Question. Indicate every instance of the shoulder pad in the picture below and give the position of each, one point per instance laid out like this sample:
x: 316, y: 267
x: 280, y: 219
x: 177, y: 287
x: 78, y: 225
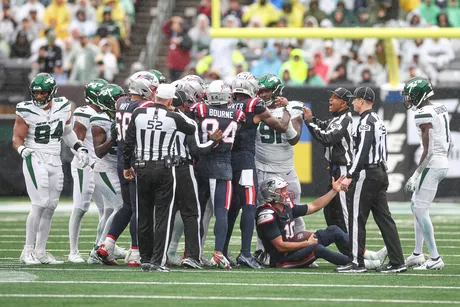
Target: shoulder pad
x: 25, y: 108
x: 255, y: 105
x: 266, y: 215
x: 99, y: 118
x: 199, y: 109
x: 61, y: 104
x: 295, y: 108
x: 423, y: 116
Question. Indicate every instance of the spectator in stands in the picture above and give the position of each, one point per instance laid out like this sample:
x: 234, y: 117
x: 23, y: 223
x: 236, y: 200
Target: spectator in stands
x: 366, y: 78
x: 339, y: 75
x: 354, y: 60
x: 221, y: 49
x: 293, y: 16
x: 320, y: 67
x: 23, y: 10
x: 117, y: 14
x: 379, y: 17
x: 84, y: 64
x: 256, y: 45
x: 429, y: 10
x: 5, y: 48
x: 443, y: 21
x: 363, y: 18
x: 415, y: 20
x: 269, y: 63
x: 130, y: 15
x: 380, y: 53
x: 234, y: 8
x: 378, y: 73
x: 313, y: 79
x: 204, y: 7
x: 286, y: 41
x: 316, y: 12
x: 296, y: 66
x: 453, y: 13
x: 332, y: 58
x: 60, y: 76
x: 311, y: 45
x: 113, y: 27
x: 348, y: 15
x: 338, y: 19
x: 57, y: 16
x: 200, y: 35
x: 103, y: 32
x: 50, y: 33
x: 266, y: 11
x: 108, y: 65
x: 83, y: 24
x: 37, y: 24
x: 26, y: 28
x: 85, y: 5
x: 438, y: 52
x: 7, y: 23
x: 49, y: 55
x: 180, y: 46
x: 287, y: 80
x: 21, y: 46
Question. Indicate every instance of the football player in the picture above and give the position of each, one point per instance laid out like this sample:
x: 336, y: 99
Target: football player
x: 142, y: 87
x: 275, y: 227
x: 274, y: 150
x: 105, y: 147
x: 83, y: 177
x: 432, y: 121
x: 244, y: 179
x: 214, y: 169
x: 38, y: 129
x: 161, y: 78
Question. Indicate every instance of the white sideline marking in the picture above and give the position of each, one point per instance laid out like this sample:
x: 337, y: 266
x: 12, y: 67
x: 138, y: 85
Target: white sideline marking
x: 277, y: 272
x: 16, y: 277
x: 90, y: 282
x: 231, y: 298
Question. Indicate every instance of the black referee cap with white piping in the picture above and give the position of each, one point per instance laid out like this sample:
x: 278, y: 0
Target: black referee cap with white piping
x: 342, y: 93
x: 365, y: 93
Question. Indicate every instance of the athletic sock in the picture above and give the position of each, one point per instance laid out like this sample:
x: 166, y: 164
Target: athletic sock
x: 120, y: 221
x: 424, y: 220
x: 231, y: 218
x: 44, y: 229
x: 247, y: 228
x: 33, y: 224
x: 109, y: 213
x: 418, y: 238
x: 101, y: 225
x: 335, y: 258
x: 220, y: 228
x: 74, y: 228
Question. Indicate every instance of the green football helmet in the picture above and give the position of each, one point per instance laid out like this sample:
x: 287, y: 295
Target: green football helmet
x: 42, y: 82
x: 158, y: 74
x: 269, y: 88
x: 107, y: 98
x: 92, y: 89
x: 415, y: 91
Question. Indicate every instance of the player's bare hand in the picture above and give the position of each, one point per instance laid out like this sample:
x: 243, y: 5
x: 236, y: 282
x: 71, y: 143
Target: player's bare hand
x: 312, y: 240
x: 129, y: 174
x: 216, y: 136
x: 345, y: 183
x: 281, y: 102
x: 307, y: 114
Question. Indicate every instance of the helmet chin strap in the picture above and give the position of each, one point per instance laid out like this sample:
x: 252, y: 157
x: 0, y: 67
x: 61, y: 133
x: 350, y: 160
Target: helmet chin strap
x: 420, y: 101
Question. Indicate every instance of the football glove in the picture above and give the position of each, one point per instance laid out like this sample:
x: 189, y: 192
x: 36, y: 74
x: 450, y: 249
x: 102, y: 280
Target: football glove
x: 83, y: 156
x: 24, y: 151
x: 113, y: 131
x: 411, y: 184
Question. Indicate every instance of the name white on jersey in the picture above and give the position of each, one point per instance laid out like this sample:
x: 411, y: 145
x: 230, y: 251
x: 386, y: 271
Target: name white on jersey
x: 82, y: 115
x: 109, y: 161
x: 45, y: 128
x: 438, y: 116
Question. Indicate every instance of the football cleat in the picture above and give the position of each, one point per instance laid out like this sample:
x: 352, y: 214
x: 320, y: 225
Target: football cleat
x: 93, y: 258
x: 75, y: 257
x: 313, y: 265
x: 382, y: 254
x: 174, y: 260
x: 262, y: 257
x: 119, y: 252
x: 47, y: 258
x: 414, y: 260
x: 350, y: 268
x: 105, y: 256
x: 231, y: 260
x: 220, y: 261
x: 372, y: 264
x: 27, y: 256
x: 389, y: 268
x: 162, y: 269
x: 250, y: 262
x: 206, y: 262
x: 133, y: 258
x: 192, y: 264
x: 146, y: 267
x: 431, y: 264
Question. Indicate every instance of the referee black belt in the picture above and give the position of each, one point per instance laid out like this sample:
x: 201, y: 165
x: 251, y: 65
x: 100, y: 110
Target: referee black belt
x: 173, y: 161
x: 371, y: 166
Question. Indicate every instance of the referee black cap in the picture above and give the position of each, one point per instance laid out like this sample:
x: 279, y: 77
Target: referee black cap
x: 365, y: 93
x: 181, y: 98
x: 342, y: 93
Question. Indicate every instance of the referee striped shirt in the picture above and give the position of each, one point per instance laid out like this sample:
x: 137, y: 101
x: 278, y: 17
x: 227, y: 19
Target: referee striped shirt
x: 152, y: 133
x: 336, y: 135
x: 370, y: 142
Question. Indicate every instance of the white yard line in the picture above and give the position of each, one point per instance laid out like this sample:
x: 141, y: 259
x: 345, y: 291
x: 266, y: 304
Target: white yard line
x: 231, y: 298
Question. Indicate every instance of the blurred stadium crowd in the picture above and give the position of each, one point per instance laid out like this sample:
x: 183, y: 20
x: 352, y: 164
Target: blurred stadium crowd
x: 316, y: 62
x: 74, y: 40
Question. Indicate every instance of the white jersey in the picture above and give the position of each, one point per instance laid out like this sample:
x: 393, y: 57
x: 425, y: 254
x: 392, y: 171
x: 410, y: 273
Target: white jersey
x: 45, y: 128
x: 82, y: 115
x: 438, y: 116
x: 109, y: 161
x: 274, y: 154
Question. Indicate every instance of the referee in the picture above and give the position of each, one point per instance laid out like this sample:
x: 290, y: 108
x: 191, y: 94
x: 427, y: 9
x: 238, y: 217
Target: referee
x: 336, y: 136
x: 369, y: 192
x: 152, y: 133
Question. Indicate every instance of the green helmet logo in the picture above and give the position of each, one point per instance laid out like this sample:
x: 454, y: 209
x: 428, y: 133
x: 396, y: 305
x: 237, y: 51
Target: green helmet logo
x: 40, y: 84
x: 415, y: 91
x: 107, y: 98
x: 269, y: 88
x: 92, y: 89
x: 159, y: 75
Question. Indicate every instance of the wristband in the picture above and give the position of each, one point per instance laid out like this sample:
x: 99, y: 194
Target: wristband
x: 77, y: 145
x: 20, y: 149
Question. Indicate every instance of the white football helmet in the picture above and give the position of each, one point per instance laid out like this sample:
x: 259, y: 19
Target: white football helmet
x: 193, y: 78
x: 245, y: 83
x: 274, y: 190
x: 144, y: 84
x: 194, y: 89
x: 218, y: 93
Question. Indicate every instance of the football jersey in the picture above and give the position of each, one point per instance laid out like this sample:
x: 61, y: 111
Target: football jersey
x: 274, y: 154
x: 272, y: 223
x: 45, y: 128
x: 125, y: 108
x: 245, y: 141
x: 109, y: 161
x: 217, y: 163
x: 438, y: 116
x: 82, y: 116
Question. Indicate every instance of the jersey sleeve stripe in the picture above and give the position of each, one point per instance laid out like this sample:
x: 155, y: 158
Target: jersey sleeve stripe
x: 63, y: 106
x: 250, y: 105
x: 93, y: 119
x: 423, y: 115
x: 297, y: 108
x: 25, y: 110
x: 145, y: 104
x: 82, y: 115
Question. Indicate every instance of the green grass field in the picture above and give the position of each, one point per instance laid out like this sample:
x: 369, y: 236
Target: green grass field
x: 84, y: 285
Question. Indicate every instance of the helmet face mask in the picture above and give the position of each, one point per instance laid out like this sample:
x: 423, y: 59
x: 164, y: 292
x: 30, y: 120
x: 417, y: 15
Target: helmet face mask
x: 218, y: 93
x: 275, y: 190
x: 415, y: 91
x: 42, y: 83
x: 270, y: 88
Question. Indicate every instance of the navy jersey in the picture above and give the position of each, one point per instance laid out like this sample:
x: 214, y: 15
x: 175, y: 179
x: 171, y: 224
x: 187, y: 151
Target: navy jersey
x: 125, y: 108
x: 244, y: 149
x: 272, y: 223
x: 217, y: 163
